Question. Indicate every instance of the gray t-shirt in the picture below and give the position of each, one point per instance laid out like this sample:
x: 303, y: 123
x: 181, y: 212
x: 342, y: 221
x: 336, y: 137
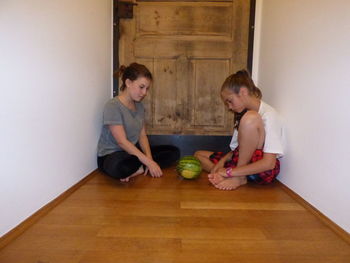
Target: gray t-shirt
x: 115, y: 113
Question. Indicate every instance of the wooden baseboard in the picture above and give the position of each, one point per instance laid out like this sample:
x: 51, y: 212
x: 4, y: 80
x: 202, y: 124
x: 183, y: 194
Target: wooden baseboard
x: 18, y: 230
x: 187, y: 143
x: 337, y: 229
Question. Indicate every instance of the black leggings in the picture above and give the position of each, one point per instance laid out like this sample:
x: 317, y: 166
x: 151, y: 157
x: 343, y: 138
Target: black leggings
x: 121, y: 164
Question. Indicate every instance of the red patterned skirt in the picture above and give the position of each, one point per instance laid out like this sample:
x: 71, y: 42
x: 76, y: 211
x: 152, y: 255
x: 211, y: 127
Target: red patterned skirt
x: 260, y: 178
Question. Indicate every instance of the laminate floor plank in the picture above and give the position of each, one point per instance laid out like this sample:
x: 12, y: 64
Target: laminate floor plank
x: 170, y: 219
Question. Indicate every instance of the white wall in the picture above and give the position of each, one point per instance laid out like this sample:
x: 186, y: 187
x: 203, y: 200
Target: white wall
x: 55, y: 76
x: 304, y: 65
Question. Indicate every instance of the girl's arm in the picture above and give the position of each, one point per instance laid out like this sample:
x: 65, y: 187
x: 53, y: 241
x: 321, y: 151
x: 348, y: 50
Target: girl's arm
x: 144, y: 143
x: 118, y: 133
x: 221, y: 163
x: 153, y: 167
x: 268, y: 162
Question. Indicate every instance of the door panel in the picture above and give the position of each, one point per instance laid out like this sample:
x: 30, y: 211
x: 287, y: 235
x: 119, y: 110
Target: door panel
x: 183, y: 18
x: 208, y: 110
x: 190, y: 47
x: 172, y: 48
x: 165, y: 100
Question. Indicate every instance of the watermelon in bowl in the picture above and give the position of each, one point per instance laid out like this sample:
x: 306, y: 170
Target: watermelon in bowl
x: 189, y: 167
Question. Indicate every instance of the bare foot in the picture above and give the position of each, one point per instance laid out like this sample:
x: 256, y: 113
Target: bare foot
x: 215, y: 178
x: 138, y: 172
x: 231, y: 183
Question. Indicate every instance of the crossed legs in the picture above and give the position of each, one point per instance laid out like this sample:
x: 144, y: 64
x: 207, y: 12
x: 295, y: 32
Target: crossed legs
x: 251, y: 136
x: 123, y: 166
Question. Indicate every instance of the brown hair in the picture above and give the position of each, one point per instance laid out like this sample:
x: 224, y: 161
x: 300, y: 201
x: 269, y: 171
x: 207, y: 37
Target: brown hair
x: 234, y: 83
x: 241, y: 79
x: 132, y: 72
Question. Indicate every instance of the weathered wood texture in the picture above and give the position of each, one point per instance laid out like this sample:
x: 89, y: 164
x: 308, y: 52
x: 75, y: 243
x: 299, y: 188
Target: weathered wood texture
x: 191, y: 47
x: 174, y: 220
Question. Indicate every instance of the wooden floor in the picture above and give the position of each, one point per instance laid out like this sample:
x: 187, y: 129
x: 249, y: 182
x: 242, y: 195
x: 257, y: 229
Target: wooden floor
x: 174, y: 220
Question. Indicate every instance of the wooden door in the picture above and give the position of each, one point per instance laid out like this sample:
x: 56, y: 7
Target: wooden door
x: 190, y: 47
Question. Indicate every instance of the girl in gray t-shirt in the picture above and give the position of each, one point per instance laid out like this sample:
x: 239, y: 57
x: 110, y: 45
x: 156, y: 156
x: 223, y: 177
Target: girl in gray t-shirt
x: 123, y: 147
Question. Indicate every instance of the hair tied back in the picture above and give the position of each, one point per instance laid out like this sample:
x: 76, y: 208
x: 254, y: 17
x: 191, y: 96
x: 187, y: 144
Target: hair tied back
x: 121, y: 71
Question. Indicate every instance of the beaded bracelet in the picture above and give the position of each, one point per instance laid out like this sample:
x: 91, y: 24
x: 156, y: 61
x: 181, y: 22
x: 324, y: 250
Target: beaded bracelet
x: 229, y: 172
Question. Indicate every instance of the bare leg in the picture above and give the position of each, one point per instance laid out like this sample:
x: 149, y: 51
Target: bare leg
x: 251, y: 136
x: 203, y: 157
